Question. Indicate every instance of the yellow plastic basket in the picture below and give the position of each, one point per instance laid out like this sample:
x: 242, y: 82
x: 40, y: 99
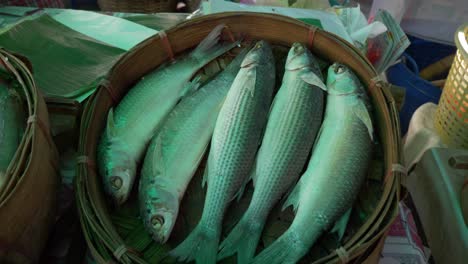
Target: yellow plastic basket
x: 451, y: 119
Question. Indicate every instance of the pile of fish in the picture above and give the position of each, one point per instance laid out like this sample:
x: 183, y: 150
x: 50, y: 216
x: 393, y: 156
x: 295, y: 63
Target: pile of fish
x: 12, y: 125
x: 254, y: 134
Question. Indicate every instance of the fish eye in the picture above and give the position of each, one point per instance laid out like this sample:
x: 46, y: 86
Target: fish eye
x: 259, y: 45
x: 116, y: 182
x: 339, y: 69
x: 157, y: 221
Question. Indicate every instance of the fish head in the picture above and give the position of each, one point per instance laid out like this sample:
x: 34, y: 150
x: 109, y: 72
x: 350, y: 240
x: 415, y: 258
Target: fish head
x: 299, y: 57
x: 161, y: 214
x: 342, y: 81
x: 119, y: 172
x: 259, y: 54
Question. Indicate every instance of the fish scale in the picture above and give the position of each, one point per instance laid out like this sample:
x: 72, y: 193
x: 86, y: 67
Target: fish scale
x: 236, y: 159
x: 326, y: 192
x: 293, y: 123
x: 235, y: 141
x: 348, y: 187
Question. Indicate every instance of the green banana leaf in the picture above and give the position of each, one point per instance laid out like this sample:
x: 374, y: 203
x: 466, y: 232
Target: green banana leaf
x: 158, y: 21
x: 65, y: 62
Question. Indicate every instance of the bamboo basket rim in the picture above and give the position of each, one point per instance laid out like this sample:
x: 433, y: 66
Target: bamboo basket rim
x: 138, y: 6
x: 23, y: 74
x: 90, y: 198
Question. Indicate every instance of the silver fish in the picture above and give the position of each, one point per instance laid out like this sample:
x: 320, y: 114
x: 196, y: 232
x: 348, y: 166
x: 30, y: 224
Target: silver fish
x: 326, y: 192
x: 236, y: 137
x: 12, y: 125
x: 176, y: 151
x: 295, y: 118
x: 134, y: 121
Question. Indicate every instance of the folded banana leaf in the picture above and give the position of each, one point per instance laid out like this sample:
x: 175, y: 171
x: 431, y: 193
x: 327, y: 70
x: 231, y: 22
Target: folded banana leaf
x: 158, y: 21
x: 65, y: 61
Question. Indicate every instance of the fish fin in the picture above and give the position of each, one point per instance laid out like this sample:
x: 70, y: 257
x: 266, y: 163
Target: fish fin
x: 275, y: 103
x: 340, y: 225
x: 199, y: 159
x: 207, y: 171
x: 293, y: 198
x: 235, y: 64
x: 205, y: 177
x: 158, y: 160
x: 252, y: 176
x: 110, y: 127
x: 311, y: 78
x: 362, y: 113
x: 201, y: 245
x: 243, y: 240
x: 251, y: 80
x: 286, y: 195
x: 190, y: 87
x: 288, y: 248
x: 319, y: 133
x: 208, y: 49
x: 238, y: 195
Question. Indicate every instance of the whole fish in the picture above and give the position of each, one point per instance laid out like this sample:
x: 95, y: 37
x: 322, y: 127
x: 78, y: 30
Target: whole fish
x: 326, y: 192
x: 134, y: 121
x: 176, y: 151
x: 236, y: 137
x: 12, y: 125
x: 295, y: 118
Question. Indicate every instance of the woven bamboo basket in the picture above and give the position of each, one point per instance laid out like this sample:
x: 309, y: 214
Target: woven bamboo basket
x: 138, y: 6
x: 27, y: 200
x: 105, y: 231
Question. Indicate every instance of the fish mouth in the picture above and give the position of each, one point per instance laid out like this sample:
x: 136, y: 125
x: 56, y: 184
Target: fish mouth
x: 298, y: 48
x: 116, y: 182
x: 119, y: 200
x: 259, y: 45
x: 161, y: 239
x: 339, y: 68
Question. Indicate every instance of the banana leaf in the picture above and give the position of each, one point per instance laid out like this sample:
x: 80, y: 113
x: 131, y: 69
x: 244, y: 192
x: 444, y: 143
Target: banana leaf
x: 65, y: 61
x: 159, y: 21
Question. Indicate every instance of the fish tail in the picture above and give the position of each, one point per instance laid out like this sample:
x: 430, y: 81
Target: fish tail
x: 201, y: 245
x: 243, y: 240
x: 209, y: 49
x: 289, y: 248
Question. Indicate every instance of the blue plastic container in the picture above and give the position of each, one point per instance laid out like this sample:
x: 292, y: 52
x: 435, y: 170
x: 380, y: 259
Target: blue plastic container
x: 420, y: 54
x: 418, y: 90
x: 426, y: 52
